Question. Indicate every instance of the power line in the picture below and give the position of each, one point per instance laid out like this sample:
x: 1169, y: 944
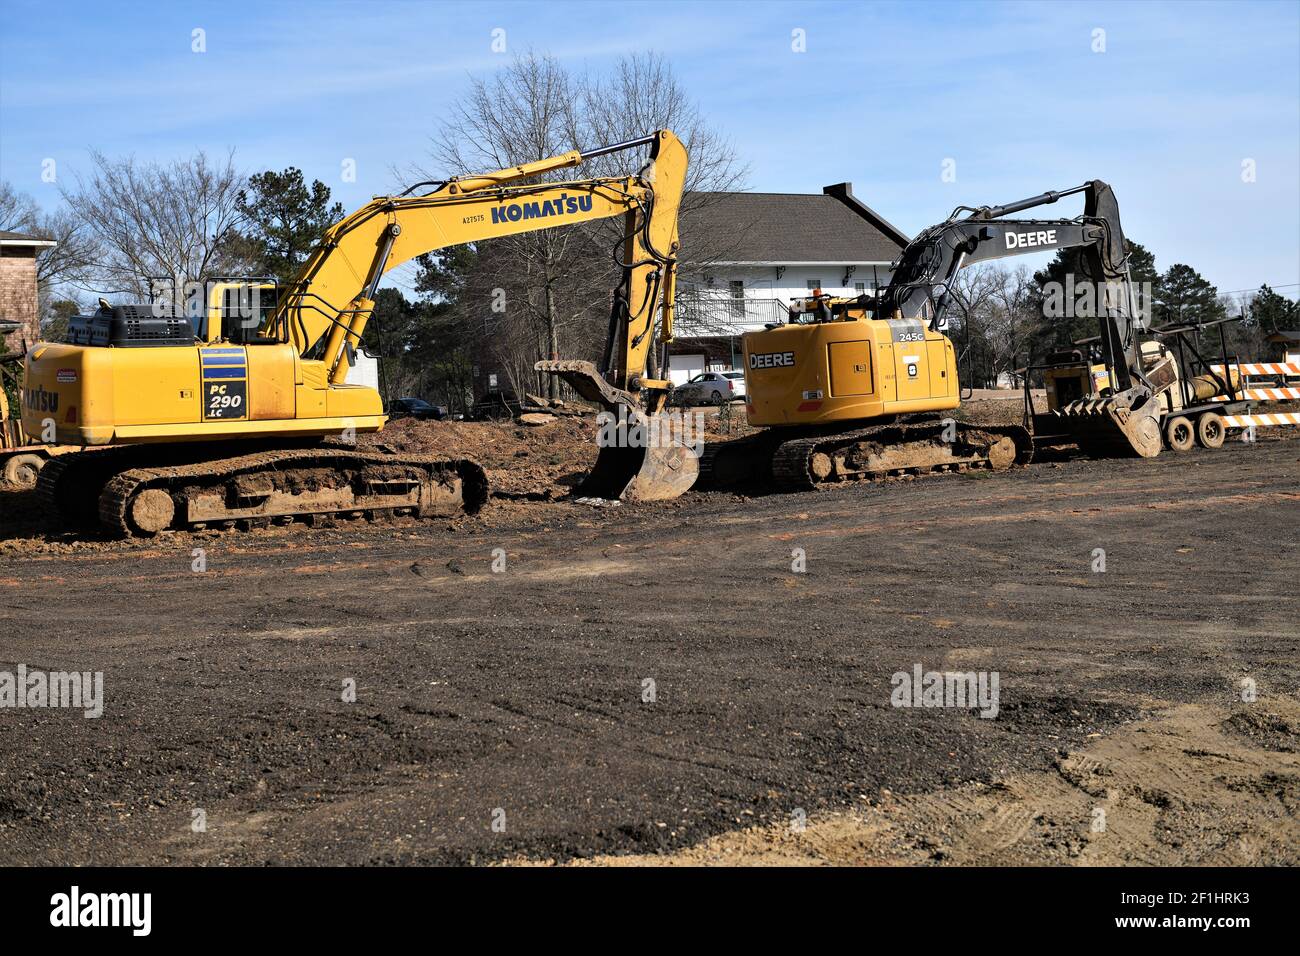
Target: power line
x: 1289, y: 285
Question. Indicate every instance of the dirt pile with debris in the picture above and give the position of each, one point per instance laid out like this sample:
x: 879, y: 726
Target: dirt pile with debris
x: 520, y: 460
x: 538, y: 462
x: 527, y: 465
x: 993, y: 411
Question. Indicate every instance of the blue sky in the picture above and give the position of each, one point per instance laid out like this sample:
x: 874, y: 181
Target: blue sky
x: 882, y: 96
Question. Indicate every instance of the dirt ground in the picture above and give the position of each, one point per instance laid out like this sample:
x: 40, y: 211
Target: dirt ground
x: 552, y: 683
x: 1188, y: 784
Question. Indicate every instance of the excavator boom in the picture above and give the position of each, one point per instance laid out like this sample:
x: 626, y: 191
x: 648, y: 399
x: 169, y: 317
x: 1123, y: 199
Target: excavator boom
x: 921, y: 288
x: 333, y: 296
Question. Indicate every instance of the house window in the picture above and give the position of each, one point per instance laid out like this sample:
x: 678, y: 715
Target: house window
x: 859, y: 287
x: 814, y: 284
x: 737, y: 303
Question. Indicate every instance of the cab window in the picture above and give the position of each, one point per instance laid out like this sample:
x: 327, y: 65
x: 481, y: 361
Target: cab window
x: 247, y: 315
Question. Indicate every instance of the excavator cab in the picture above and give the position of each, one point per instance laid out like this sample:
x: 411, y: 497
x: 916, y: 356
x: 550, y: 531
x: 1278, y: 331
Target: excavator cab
x: 248, y: 310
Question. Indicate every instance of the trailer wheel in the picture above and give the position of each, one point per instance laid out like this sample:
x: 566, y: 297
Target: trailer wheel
x: 1179, y: 433
x: 20, y: 471
x: 1209, y: 430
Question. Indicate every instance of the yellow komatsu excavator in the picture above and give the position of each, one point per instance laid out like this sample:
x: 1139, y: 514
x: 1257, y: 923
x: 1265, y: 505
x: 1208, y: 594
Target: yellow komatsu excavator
x: 856, y: 388
x: 235, y: 419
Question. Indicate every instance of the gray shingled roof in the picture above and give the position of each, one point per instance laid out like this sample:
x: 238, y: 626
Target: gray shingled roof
x: 786, y: 227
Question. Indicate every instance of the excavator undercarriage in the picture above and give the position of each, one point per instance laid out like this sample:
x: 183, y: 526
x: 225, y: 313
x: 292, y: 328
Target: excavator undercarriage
x: 905, y: 449
x: 142, y: 490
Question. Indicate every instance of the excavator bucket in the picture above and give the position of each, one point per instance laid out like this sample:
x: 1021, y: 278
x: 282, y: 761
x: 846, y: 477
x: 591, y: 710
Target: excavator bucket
x: 631, y: 470
x: 1126, y: 423
x: 642, y: 457
x: 1113, y: 427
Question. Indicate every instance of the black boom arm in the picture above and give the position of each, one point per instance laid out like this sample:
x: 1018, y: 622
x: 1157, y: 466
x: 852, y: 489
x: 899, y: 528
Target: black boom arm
x: 921, y: 287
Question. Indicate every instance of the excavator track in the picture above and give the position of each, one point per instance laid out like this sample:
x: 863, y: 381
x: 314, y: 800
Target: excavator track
x: 890, y: 451
x: 135, y: 496
x: 68, y: 486
x: 874, y: 453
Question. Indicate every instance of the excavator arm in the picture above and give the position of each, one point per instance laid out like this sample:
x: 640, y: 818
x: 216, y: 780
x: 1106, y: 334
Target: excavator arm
x: 327, y: 306
x: 332, y: 297
x: 921, y: 288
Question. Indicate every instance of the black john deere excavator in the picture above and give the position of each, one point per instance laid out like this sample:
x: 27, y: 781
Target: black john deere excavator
x: 852, y: 387
x: 235, y: 420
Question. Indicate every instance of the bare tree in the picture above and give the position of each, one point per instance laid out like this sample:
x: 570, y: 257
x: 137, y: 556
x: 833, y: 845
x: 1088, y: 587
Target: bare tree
x: 642, y: 95
x: 73, y: 257
x: 171, y: 220
x: 523, y: 113
x: 1012, y: 319
x: 18, y: 212
x: 995, y: 310
x: 975, y: 291
x: 557, y: 281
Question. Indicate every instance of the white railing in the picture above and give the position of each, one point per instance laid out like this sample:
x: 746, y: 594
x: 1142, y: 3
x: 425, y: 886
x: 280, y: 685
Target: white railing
x: 705, y: 313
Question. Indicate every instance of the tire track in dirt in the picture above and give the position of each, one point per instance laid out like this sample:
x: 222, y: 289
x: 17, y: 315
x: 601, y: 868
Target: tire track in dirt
x: 1174, y: 790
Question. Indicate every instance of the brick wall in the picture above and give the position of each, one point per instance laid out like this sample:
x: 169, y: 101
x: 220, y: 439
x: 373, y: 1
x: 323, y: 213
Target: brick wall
x: 18, y: 301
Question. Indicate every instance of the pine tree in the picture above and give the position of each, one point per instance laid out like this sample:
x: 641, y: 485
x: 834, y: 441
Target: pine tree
x: 1273, y: 312
x: 286, y: 219
x: 1184, y: 297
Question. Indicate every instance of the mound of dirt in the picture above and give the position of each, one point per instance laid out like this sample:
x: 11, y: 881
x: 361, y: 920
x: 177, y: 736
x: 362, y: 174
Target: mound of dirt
x: 523, y: 460
x: 993, y: 411
x: 1181, y: 787
x: 534, y: 461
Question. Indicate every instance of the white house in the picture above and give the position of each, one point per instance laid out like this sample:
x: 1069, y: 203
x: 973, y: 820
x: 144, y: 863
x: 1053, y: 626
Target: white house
x: 746, y: 255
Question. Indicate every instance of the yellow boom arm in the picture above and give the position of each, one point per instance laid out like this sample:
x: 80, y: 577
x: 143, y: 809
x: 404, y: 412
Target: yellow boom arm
x: 333, y: 295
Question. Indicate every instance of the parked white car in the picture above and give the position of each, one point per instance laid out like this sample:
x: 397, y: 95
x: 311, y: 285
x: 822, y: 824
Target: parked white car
x: 711, y: 388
